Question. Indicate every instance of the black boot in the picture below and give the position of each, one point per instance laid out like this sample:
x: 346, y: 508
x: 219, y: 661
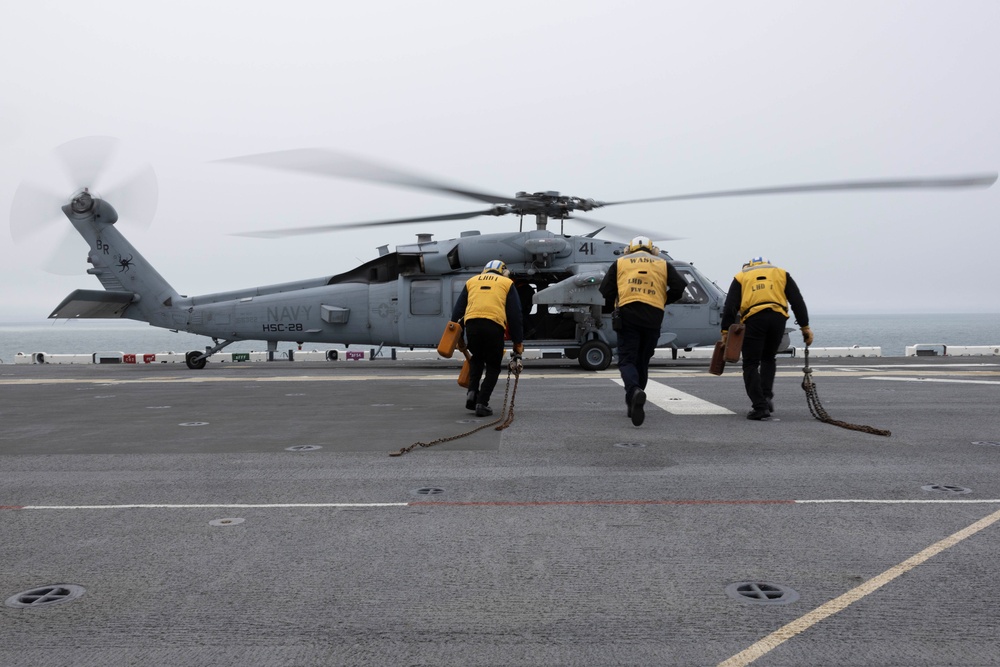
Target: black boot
x: 637, y: 411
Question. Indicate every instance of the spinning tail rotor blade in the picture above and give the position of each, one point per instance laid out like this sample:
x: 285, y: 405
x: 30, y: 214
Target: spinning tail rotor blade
x: 135, y: 197
x: 85, y: 159
x: 34, y: 210
x: 972, y: 181
x: 36, y: 217
x: 328, y: 163
x: 65, y: 255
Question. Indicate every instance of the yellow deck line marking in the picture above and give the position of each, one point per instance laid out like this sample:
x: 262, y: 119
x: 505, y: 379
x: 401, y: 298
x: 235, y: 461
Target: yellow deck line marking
x: 830, y: 608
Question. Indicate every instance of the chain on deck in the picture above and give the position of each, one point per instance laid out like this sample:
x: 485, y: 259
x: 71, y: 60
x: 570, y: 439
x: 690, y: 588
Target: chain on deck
x: 816, y: 408
x: 506, y: 422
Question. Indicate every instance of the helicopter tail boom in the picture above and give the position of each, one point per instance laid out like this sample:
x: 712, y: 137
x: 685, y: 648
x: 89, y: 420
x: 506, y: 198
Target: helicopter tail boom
x: 132, y: 288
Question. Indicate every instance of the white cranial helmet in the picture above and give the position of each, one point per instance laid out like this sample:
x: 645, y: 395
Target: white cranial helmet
x: 640, y: 243
x: 496, y: 266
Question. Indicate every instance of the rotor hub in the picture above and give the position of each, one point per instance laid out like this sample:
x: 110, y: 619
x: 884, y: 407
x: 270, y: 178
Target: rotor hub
x: 82, y: 202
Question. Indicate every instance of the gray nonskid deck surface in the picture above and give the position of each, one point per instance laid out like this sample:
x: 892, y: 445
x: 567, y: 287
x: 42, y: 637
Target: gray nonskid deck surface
x: 570, y: 538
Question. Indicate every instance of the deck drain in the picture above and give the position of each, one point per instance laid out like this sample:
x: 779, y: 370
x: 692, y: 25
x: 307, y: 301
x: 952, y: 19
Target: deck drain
x: 429, y: 491
x: 225, y: 522
x: 948, y: 488
x: 193, y: 424
x: 303, y: 448
x: 991, y: 443
x: 756, y: 592
x: 630, y: 445
x: 46, y: 596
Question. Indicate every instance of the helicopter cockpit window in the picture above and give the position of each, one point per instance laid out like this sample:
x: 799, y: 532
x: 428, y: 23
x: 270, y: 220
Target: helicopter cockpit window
x: 425, y: 297
x: 453, y: 261
x: 694, y: 292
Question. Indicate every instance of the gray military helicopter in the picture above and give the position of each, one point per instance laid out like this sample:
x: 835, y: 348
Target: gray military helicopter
x: 402, y: 298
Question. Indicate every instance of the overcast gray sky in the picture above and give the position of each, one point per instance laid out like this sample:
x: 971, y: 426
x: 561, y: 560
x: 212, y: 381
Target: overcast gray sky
x: 594, y: 99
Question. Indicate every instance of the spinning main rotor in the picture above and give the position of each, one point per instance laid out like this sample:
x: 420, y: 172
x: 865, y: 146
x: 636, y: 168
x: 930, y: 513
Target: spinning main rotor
x: 541, y: 205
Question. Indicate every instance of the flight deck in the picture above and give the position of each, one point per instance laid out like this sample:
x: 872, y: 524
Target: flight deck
x: 253, y: 514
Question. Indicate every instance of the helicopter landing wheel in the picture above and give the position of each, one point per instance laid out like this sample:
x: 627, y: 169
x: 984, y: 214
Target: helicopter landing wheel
x: 190, y: 357
x: 595, y: 355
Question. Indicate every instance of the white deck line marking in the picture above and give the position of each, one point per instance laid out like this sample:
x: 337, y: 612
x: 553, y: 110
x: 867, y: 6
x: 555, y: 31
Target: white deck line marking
x: 167, y: 506
x: 208, y: 506
x: 830, y: 608
x: 940, y: 367
x: 677, y: 402
x: 899, y: 379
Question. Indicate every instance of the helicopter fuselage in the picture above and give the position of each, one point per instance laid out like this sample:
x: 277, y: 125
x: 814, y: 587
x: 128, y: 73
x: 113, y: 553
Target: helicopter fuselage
x: 405, y: 298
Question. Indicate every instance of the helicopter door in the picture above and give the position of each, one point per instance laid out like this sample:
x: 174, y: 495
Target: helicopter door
x: 424, y: 309
x: 383, y: 313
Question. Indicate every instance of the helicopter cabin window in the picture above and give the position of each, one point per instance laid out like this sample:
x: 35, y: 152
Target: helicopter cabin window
x: 425, y: 297
x: 694, y: 292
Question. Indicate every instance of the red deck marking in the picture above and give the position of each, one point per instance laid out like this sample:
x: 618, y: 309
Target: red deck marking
x: 11, y: 507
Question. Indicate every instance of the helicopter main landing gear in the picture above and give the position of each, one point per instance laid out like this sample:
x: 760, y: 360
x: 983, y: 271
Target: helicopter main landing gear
x: 196, y: 360
x: 595, y: 355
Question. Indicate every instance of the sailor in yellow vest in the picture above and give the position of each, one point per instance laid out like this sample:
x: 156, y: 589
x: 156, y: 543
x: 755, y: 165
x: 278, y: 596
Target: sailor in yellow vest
x: 489, y: 306
x: 759, y: 297
x: 640, y: 284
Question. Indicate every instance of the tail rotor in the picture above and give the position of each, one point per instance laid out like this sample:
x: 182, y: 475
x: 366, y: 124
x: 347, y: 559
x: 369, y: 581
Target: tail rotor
x: 37, y: 223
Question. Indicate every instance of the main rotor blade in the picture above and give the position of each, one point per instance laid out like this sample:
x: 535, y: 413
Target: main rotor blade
x: 325, y: 162
x: 980, y: 180
x: 624, y: 230
x: 320, y: 229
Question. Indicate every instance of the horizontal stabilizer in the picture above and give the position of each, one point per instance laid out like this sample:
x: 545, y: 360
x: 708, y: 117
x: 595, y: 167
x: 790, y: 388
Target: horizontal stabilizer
x: 92, y: 304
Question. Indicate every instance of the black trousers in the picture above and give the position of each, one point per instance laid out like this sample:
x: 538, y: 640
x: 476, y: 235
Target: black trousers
x: 760, y: 345
x: 485, y: 341
x: 636, y: 346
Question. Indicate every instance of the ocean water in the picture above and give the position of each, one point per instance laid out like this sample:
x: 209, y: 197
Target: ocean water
x: 890, y: 332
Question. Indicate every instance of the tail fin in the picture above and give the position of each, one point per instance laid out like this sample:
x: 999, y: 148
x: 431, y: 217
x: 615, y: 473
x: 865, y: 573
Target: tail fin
x: 133, y: 288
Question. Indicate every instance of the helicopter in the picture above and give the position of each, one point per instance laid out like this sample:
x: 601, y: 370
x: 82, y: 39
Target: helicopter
x: 404, y: 297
